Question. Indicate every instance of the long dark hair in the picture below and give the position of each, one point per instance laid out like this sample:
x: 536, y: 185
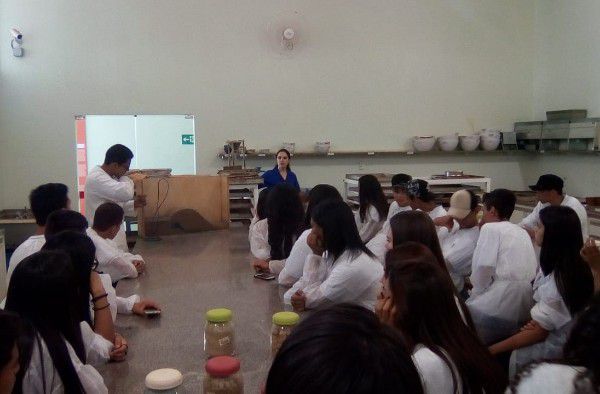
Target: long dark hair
x: 343, y: 349
x: 287, y: 152
x: 10, y: 331
x: 261, y: 204
x: 82, y: 251
x: 417, y: 226
x: 284, y: 217
x: 370, y: 193
x: 317, y: 194
x: 339, y: 229
x: 43, y: 291
x: 560, y: 254
x: 427, y: 314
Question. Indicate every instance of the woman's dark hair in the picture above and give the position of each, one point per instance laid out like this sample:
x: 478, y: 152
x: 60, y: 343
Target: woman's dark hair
x: 339, y: 228
x: 63, y: 220
x: 287, y: 152
x: 560, y: 254
x: 370, y: 193
x: 118, y: 154
x: 261, y: 204
x: 81, y: 251
x: 418, y: 188
x: 343, y: 349
x: 503, y: 200
x: 46, y: 199
x: 10, y: 331
x: 107, y: 215
x: 43, y: 292
x: 417, y: 226
x: 427, y: 314
x: 583, y: 346
x: 317, y: 194
x: 284, y: 217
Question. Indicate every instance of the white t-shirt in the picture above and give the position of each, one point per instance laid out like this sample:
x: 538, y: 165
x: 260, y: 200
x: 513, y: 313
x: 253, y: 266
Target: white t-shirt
x: 112, y: 260
x: 355, y: 279
x: 396, y: 209
x: 372, y: 224
x: 551, y: 378
x: 458, y: 246
x: 41, y: 373
x: 30, y: 246
x: 435, y: 373
x: 533, y: 219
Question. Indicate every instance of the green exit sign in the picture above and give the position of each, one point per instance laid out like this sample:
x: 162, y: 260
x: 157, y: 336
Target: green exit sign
x: 187, y: 139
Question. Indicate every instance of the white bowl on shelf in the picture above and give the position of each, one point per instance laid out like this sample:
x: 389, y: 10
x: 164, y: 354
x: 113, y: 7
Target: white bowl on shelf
x: 448, y: 143
x: 423, y: 144
x: 323, y: 146
x: 491, y: 132
x: 490, y: 142
x: 469, y: 143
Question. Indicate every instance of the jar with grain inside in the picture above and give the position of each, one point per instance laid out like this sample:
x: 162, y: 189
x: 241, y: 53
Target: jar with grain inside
x: 219, y: 338
x: 223, y: 376
x: 283, y: 322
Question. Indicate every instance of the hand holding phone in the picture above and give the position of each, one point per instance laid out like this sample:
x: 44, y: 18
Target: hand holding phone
x: 264, y: 275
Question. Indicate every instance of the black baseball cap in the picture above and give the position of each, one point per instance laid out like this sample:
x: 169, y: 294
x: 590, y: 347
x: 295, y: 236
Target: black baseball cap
x: 548, y: 182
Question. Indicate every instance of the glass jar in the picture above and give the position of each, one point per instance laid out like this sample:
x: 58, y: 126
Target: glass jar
x: 219, y: 338
x: 163, y: 381
x: 283, y: 322
x: 223, y: 376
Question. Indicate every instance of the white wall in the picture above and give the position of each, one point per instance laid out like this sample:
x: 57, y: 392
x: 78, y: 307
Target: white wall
x: 366, y: 75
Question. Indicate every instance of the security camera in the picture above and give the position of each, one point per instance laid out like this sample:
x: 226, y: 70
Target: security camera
x: 16, y: 34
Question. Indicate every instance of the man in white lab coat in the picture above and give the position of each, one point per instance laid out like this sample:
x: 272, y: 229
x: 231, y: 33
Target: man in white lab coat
x: 549, y: 191
x: 458, y: 233
x: 108, y: 183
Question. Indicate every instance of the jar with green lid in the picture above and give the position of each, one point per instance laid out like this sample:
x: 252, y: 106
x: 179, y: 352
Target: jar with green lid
x: 283, y: 322
x: 219, y: 338
x: 163, y: 381
x: 223, y: 376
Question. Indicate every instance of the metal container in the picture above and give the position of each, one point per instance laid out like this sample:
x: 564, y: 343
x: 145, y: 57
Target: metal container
x: 568, y: 115
x: 582, y: 135
x: 555, y: 136
x: 528, y: 135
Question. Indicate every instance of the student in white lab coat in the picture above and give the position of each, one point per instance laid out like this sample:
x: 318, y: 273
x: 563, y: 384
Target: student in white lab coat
x: 424, y: 200
x: 578, y: 371
x: 258, y: 232
x: 53, y: 359
x: 458, y: 233
x: 341, y: 268
x: 419, y: 300
x: 562, y: 289
x: 10, y: 332
x: 549, y: 191
x: 290, y: 269
x: 112, y: 260
x: 401, y: 201
x: 504, y: 265
x: 373, y: 207
x: 108, y: 183
x: 284, y: 224
x: 43, y: 200
x: 343, y: 349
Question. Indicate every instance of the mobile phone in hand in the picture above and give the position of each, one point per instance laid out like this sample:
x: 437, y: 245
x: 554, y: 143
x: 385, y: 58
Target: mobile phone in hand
x: 151, y: 312
x: 264, y: 275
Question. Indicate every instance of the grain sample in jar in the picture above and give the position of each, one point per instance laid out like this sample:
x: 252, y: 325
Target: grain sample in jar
x: 163, y: 381
x: 219, y: 339
x: 223, y: 376
x: 283, y: 322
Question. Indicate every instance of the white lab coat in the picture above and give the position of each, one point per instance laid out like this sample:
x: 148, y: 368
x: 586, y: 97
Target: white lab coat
x: 111, y: 259
x: 41, y: 373
x: 396, y: 209
x: 532, y: 220
x: 258, y: 235
x: 30, y: 246
x: 552, y: 378
x: 371, y: 225
x: 435, y: 373
x: 97, y: 348
x: 552, y: 314
x: 293, y: 266
x: 458, y: 246
x: 350, y: 278
x: 437, y: 212
x: 504, y: 265
x: 100, y: 188
x: 123, y: 305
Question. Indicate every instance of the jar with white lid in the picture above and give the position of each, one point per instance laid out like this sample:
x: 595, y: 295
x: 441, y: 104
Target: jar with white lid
x: 163, y: 381
x: 223, y: 376
x: 219, y: 337
x: 283, y: 323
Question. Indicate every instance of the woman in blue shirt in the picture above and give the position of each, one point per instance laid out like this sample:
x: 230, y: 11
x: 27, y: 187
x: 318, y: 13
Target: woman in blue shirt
x: 282, y: 172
